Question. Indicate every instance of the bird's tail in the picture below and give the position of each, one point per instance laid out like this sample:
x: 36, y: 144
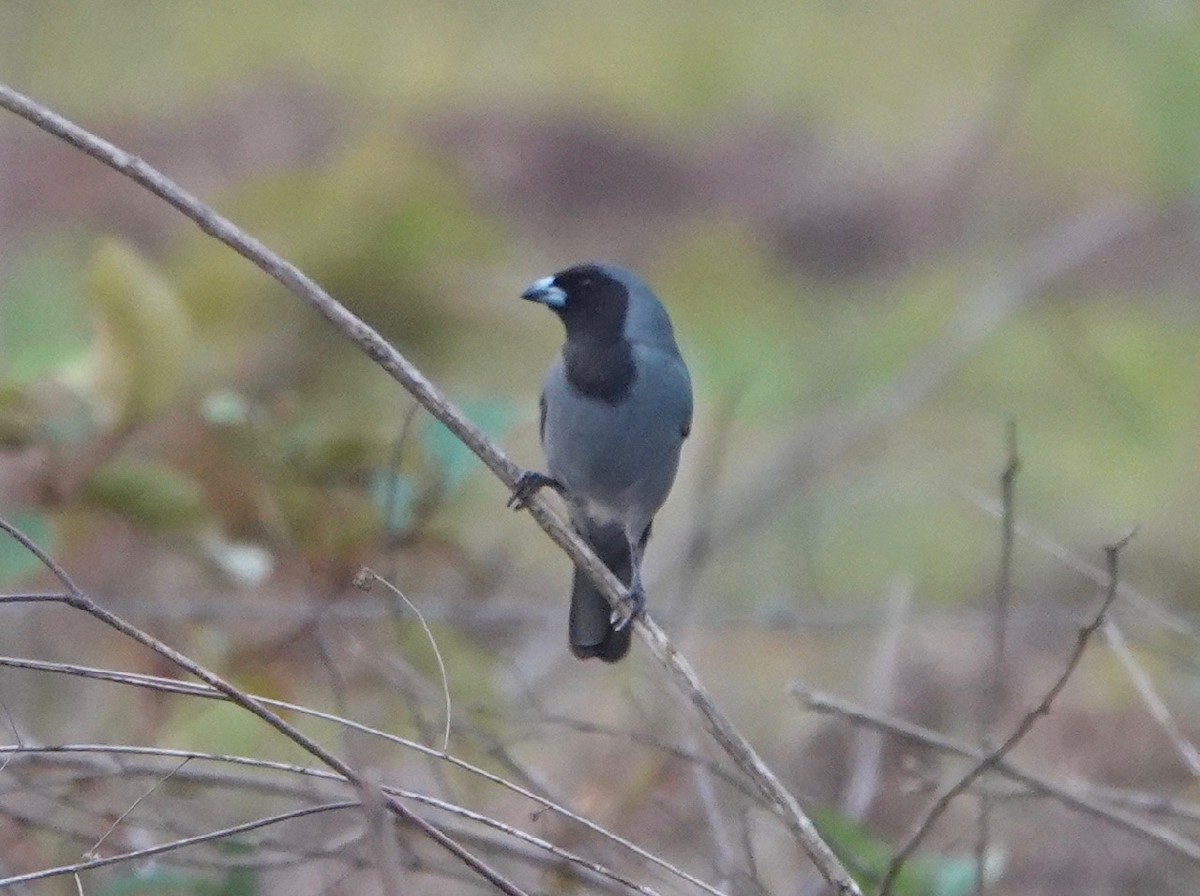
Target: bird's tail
x: 589, y: 630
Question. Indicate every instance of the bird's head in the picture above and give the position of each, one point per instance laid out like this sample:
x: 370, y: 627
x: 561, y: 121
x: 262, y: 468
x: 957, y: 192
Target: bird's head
x: 599, y: 302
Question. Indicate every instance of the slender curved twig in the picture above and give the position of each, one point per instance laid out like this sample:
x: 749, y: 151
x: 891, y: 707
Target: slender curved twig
x: 77, y: 599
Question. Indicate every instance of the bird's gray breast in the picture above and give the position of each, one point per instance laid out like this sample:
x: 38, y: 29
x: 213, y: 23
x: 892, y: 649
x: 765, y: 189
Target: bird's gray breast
x: 618, y: 460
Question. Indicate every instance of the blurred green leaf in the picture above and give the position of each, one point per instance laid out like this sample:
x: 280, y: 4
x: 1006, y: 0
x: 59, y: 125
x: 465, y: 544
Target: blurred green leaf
x: 18, y: 419
x: 956, y: 876
x: 867, y: 856
x: 328, y: 523
x: 396, y: 497
x: 319, y: 450
x: 159, y: 879
x: 151, y: 494
x: 455, y: 461
x: 238, y: 881
x: 218, y: 727
x: 40, y: 329
x: 1163, y: 48
x: 15, y: 561
x: 143, y: 337
x: 379, y: 226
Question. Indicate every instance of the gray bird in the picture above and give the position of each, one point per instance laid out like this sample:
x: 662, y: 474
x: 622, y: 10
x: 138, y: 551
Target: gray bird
x: 616, y: 406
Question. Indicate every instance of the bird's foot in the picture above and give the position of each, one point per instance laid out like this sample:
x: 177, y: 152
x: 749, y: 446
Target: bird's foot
x: 530, y: 483
x: 630, y: 607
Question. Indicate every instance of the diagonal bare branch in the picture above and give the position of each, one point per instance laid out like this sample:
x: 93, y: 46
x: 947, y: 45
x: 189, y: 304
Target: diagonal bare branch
x: 77, y: 599
x: 782, y: 801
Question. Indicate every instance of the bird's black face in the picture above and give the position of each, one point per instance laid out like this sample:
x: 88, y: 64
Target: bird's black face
x: 591, y: 303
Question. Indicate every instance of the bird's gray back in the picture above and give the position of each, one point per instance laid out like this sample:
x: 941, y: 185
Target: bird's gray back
x: 646, y: 319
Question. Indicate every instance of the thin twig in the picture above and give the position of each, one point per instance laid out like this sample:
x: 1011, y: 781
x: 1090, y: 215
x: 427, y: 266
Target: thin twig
x: 337, y: 848
x: 385, y: 789
x: 78, y: 600
x: 1093, y: 801
x: 363, y: 581
x: 1008, y: 522
x: 87, y: 769
x: 380, y: 823
x: 1001, y: 610
x: 182, y: 843
x: 432, y: 399
x: 865, y: 757
x: 1115, y: 638
x: 132, y: 806
x: 393, y: 497
x: 1111, y: 554
x: 723, y: 857
x: 1144, y: 801
x: 199, y: 690
x: 1154, y: 703
x: 12, y: 724
x: 1093, y: 572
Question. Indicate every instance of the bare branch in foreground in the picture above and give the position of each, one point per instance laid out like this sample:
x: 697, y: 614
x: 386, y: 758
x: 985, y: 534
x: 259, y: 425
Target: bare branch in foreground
x: 166, y: 685
x: 281, y: 854
x: 576, y: 861
x: 148, y: 852
x: 76, y: 599
x: 1111, y: 554
x: 431, y: 398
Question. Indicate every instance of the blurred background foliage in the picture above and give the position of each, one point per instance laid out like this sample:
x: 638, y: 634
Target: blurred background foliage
x: 884, y: 231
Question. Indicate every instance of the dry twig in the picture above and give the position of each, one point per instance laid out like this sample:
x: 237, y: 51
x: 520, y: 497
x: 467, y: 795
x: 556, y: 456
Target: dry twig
x: 993, y: 699
x: 200, y: 690
x: 1111, y: 554
x: 76, y: 599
